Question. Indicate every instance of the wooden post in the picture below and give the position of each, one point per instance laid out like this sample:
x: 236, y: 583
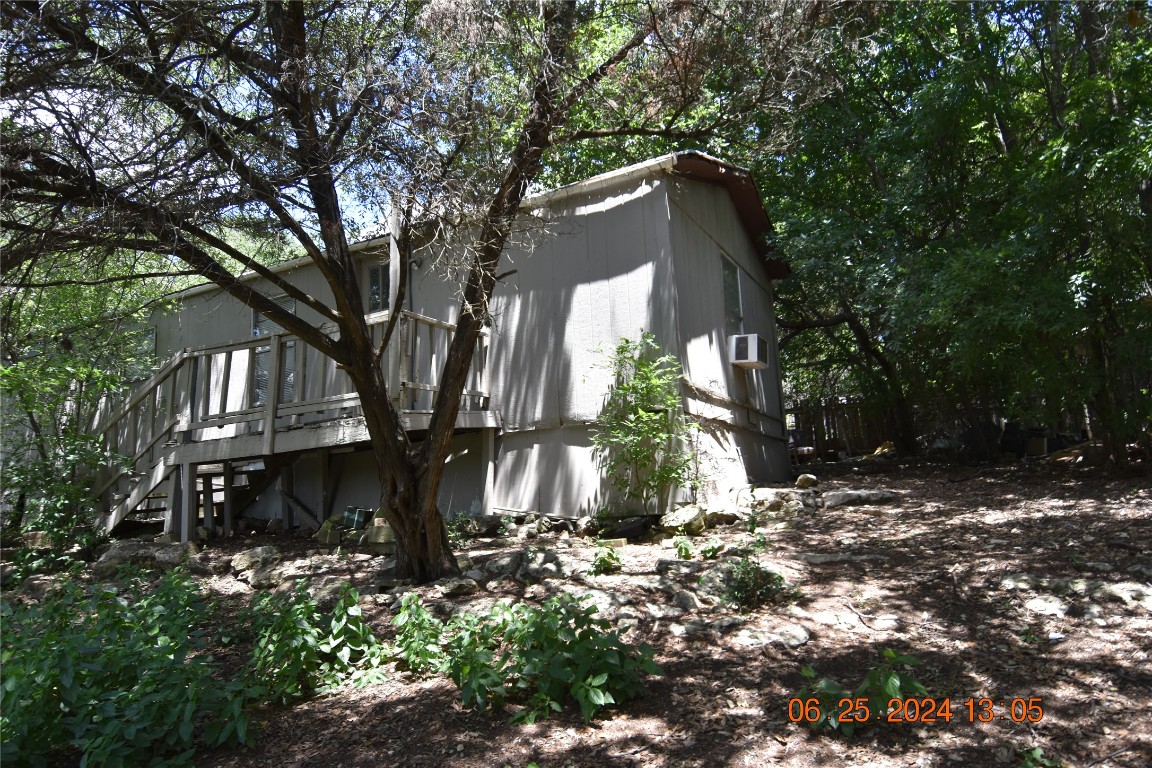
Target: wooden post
x: 171, y: 520
x: 209, y: 506
x: 273, y: 395
x: 325, y: 489
x: 188, y: 511
x: 488, y: 458
x: 227, y: 374
x: 229, y: 478
x: 287, y: 486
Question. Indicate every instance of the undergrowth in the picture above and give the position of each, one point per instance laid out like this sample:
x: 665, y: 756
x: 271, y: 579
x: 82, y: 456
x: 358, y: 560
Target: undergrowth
x: 540, y: 656
x: 122, y: 673
x: 829, y: 706
x: 117, y: 673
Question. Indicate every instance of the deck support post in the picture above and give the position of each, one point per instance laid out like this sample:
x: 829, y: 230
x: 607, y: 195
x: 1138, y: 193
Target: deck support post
x: 287, y: 487
x: 488, y: 458
x: 171, y: 519
x: 188, y: 511
x: 229, y: 478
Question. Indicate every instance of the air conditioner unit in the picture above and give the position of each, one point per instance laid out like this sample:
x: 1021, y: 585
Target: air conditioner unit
x: 748, y: 351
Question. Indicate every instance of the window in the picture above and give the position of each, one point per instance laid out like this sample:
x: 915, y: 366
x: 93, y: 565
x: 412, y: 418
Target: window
x: 262, y: 326
x: 378, y: 288
x: 733, y: 316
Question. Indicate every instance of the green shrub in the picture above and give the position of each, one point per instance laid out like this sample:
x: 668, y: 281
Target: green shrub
x: 683, y: 547
x: 712, y: 550
x: 750, y: 585
x: 299, y: 650
x: 540, y: 655
x: 883, y: 683
x: 605, y: 560
x: 111, y: 673
x: 640, y: 434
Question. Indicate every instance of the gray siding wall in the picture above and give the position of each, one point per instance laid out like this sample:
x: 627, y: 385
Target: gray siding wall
x: 743, y: 437
x: 597, y: 271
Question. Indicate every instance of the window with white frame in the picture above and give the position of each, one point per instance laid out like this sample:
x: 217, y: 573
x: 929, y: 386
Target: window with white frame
x: 378, y: 288
x: 733, y: 313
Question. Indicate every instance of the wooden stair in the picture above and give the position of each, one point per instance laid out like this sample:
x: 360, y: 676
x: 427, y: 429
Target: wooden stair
x: 214, y: 426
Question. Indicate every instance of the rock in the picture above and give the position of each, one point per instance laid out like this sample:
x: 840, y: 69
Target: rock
x: 823, y: 559
x: 1099, y: 567
x: 687, y: 601
x: 1047, y: 606
x: 586, y: 526
x: 540, y: 564
x: 476, y: 575
x: 525, y: 532
x: 457, y: 587
x: 503, y: 585
x: 258, y: 557
x: 486, y: 525
x: 202, y: 534
x: 1018, y: 581
x: 628, y: 528
x: 37, y: 540
x: 266, y: 577
x: 721, y: 517
x: 790, y: 509
x: 38, y: 586
x: 464, y: 562
x: 692, y: 519
x: 7, y: 571
x: 275, y: 525
x: 543, y: 525
x: 503, y: 565
x: 857, y: 498
x: 658, y: 611
x: 1125, y: 592
x: 145, y: 554
x: 790, y: 635
x: 807, y: 481
x: 680, y: 567
x: 884, y: 623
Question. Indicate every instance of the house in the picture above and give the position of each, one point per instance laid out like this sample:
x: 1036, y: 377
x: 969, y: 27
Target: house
x: 242, y: 418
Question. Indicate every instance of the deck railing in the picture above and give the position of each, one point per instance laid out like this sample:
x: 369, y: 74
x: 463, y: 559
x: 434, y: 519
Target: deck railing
x: 265, y: 385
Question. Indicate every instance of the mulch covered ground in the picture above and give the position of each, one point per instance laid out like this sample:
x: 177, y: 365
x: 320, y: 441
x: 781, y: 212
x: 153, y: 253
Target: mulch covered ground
x: 990, y: 577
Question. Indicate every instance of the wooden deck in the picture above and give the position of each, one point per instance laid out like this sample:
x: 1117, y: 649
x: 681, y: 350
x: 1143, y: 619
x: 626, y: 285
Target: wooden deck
x: 235, y: 404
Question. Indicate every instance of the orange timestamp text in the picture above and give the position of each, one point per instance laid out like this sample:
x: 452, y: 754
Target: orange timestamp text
x: 922, y: 711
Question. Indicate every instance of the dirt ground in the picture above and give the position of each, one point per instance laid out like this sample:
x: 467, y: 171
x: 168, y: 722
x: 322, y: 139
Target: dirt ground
x: 986, y: 575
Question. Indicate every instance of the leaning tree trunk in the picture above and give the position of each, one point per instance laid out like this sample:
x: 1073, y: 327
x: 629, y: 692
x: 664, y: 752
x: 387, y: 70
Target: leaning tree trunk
x: 423, y: 552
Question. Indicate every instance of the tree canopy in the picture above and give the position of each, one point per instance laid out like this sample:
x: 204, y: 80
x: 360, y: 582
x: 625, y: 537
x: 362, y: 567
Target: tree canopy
x: 156, y: 127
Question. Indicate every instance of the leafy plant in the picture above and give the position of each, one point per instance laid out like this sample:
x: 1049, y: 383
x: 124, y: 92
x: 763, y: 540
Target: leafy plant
x: 682, y: 546
x: 299, y: 650
x: 542, y: 655
x: 114, y: 673
x: 419, y: 635
x: 605, y: 560
x: 1034, y: 758
x: 712, y: 550
x: 750, y: 585
x: 461, y: 530
x: 759, y: 542
x: 641, y: 430
x: 882, y: 683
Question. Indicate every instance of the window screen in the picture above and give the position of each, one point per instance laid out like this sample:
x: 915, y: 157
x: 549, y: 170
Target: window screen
x: 378, y: 288
x: 733, y: 317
